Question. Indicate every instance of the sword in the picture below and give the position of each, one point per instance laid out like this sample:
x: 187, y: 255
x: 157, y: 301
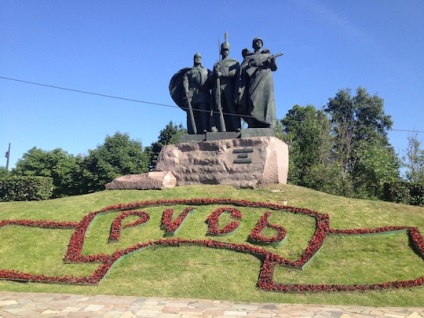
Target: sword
x: 191, y: 115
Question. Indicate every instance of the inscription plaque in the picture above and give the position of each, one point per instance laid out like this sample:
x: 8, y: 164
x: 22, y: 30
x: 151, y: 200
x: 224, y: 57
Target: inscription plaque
x: 243, y: 150
x: 243, y: 155
x: 242, y: 160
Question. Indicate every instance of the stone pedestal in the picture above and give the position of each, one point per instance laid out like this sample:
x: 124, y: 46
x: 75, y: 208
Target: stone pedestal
x: 241, y: 162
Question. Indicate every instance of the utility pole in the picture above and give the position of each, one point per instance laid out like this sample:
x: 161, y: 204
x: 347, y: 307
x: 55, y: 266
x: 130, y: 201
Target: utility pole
x: 7, y: 155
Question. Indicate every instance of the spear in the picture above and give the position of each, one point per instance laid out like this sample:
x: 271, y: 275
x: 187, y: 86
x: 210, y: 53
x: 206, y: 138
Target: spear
x: 218, y: 87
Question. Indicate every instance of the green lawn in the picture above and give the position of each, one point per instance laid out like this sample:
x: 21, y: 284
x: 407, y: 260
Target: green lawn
x: 200, y: 272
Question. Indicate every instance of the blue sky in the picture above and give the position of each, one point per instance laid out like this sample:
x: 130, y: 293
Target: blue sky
x: 131, y: 49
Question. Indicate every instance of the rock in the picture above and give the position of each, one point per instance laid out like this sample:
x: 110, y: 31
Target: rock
x: 147, y: 181
x: 242, y: 162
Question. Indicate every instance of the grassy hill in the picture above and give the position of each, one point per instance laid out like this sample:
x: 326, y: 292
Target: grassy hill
x: 189, y: 271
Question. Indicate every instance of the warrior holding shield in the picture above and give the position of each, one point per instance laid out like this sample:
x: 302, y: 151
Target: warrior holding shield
x: 190, y: 90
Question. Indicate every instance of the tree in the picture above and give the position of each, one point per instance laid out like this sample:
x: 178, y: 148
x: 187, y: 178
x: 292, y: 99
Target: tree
x: 62, y: 167
x: 362, y: 149
x: 307, y: 133
x: 375, y: 165
x: 414, y: 160
x: 169, y: 135
x: 119, y: 155
x: 4, y: 173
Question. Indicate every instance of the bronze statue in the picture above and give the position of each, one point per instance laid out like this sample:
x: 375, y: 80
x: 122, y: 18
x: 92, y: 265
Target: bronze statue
x: 197, y: 93
x: 225, y: 114
x: 255, y: 87
x: 190, y: 90
x: 245, y: 91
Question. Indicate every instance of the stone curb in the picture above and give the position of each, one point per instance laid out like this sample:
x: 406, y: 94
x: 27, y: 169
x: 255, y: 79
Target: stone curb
x: 14, y: 304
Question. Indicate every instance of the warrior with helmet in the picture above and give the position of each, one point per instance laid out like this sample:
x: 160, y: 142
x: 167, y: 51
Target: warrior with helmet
x: 255, y: 87
x: 245, y: 91
x: 225, y: 113
x: 190, y: 90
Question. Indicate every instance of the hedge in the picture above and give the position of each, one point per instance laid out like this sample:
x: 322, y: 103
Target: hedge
x: 26, y: 188
x: 404, y: 192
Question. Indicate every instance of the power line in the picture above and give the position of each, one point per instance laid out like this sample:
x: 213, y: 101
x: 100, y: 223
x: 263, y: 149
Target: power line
x: 138, y: 100
x: 412, y: 131
x: 86, y: 92
x: 101, y: 95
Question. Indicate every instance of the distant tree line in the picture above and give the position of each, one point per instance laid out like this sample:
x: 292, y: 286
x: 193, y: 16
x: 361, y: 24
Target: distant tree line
x: 341, y: 149
x: 73, y: 175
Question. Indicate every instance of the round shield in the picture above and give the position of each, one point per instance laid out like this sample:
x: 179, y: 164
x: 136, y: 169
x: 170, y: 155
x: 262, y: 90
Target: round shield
x: 176, y: 88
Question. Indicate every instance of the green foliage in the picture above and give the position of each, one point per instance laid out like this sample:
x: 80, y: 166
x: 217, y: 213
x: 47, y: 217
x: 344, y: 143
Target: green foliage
x: 307, y: 132
x: 328, y: 178
x: 347, y: 153
x: 362, y: 150
x: 414, y: 160
x: 25, y: 188
x: 57, y: 164
x: 375, y: 165
x: 359, y: 117
x: 117, y: 156
x: 169, y: 135
x: 74, y: 175
x: 417, y: 194
x: 4, y: 172
x: 404, y: 192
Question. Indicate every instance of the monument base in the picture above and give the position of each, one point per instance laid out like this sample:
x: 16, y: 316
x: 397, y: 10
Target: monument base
x: 244, y: 133
x: 242, y: 162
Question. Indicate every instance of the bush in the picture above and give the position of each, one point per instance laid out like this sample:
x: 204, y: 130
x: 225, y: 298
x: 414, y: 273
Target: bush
x: 26, y: 188
x: 404, y: 192
x: 417, y: 194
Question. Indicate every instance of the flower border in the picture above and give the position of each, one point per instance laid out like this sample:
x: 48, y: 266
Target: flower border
x: 115, y: 228
x: 213, y: 221
x: 269, y: 259
x: 172, y: 226
x: 256, y: 235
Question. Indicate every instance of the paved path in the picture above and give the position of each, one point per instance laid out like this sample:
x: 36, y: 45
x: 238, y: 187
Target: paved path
x: 67, y: 305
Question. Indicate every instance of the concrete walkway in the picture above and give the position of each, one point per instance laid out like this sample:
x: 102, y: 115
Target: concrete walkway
x: 67, y: 305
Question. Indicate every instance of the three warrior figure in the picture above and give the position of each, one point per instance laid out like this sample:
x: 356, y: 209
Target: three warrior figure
x: 217, y: 100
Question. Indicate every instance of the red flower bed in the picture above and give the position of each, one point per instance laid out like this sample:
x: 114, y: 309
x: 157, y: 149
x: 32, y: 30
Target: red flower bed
x: 269, y: 259
x: 171, y: 226
x: 41, y: 223
x: 256, y: 234
x: 266, y: 282
x: 115, y: 229
x: 213, y: 221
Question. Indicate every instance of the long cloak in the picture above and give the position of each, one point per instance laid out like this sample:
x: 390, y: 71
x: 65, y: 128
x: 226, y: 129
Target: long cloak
x: 255, y: 90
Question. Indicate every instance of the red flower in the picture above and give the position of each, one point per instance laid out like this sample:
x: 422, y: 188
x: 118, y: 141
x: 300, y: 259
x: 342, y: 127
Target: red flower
x: 115, y: 229
x: 213, y: 221
x: 170, y: 226
x: 256, y: 234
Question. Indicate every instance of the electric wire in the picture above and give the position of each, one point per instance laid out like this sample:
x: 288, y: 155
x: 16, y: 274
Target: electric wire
x: 141, y: 101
